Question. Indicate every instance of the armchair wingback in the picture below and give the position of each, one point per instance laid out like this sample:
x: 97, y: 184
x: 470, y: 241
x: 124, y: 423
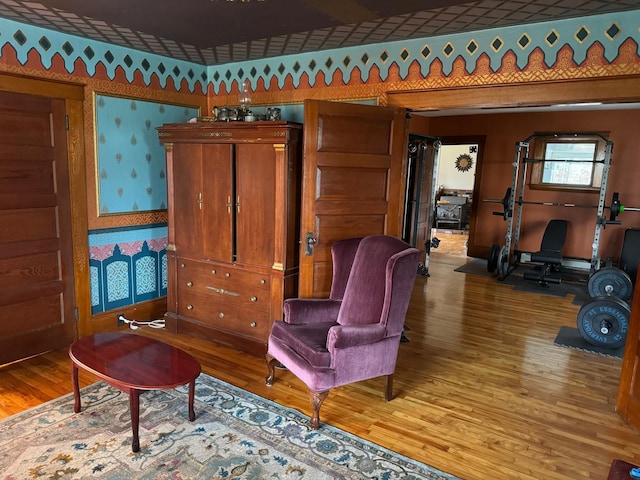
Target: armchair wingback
x: 355, y: 334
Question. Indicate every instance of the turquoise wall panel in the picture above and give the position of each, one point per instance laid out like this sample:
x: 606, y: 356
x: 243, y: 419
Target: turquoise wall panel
x: 131, y: 160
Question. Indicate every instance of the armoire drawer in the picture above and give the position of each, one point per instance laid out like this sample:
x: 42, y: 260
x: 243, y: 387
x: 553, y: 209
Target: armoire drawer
x: 225, y: 316
x: 248, y: 289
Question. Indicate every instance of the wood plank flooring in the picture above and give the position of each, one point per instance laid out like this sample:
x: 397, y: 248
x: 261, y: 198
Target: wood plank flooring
x: 481, y: 391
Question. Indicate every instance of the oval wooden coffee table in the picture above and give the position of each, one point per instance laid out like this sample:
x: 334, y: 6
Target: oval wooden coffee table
x: 133, y: 364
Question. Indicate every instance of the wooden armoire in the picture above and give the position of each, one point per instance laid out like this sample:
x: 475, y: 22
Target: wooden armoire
x: 234, y: 222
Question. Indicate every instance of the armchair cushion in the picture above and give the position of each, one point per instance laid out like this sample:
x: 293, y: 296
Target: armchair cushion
x: 307, y: 341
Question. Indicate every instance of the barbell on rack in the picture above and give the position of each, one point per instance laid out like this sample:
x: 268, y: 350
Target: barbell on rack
x: 615, y: 208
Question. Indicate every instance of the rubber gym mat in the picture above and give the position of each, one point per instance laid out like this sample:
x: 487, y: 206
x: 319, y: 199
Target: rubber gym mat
x: 570, y: 337
x: 476, y: 266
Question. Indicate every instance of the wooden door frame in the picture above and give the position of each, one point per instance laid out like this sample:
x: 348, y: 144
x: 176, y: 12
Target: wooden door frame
x: 540, y: 94
x: 472, y: 250
x: 605, y: 90
x: 73, y: 95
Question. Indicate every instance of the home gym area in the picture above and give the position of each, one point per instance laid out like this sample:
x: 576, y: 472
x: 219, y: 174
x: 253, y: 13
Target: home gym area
x: 564, y: 164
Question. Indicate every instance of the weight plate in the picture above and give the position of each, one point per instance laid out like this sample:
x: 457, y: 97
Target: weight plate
x: 492, y: 260
x: 503, y: 262
x: 604, y: 321
x: 610, y: 282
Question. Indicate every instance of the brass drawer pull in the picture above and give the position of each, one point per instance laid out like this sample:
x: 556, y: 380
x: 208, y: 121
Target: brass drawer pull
x: 213, y: 272
x: 263, y: 281
x: 189, y: 284
x: 227, y: 274
x: 189, y: 307
x: 222, y: 291
x: 254, y: 299
x: 182, y: 265
x: 221, y: 315
x: 253, y: 324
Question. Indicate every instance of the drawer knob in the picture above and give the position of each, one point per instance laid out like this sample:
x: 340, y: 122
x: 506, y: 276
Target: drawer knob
x: 263, y: 281
x: 227, y: 274
x: 189, y: 307
x: 189, y: 284
x: 221, y: 315
x: 253, y: 324
x: 182, y: 265
x: 213, y: 272
x: 254, y: 299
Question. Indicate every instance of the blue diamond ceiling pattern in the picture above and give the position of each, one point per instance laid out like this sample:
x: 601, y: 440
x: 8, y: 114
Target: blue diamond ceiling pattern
x: 215, y: 32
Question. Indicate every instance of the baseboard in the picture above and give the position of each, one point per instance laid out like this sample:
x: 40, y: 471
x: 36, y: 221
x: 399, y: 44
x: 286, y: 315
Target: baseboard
x: 144, y: 311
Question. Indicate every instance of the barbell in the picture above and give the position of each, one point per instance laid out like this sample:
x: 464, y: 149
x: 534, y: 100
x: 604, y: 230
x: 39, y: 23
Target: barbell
x: 615, y: 209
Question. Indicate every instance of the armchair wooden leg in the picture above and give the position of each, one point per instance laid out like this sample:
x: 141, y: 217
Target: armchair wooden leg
x: 271, y: 365
x: 388, y: 387
x: 316, y: 399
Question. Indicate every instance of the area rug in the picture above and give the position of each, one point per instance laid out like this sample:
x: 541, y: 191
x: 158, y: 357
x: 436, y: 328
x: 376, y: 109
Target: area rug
x: 475, y: 266
x: 236, y: 435
x: 570, y: 337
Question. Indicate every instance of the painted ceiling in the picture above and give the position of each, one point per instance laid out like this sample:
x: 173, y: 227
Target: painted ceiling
x: 214, y: 32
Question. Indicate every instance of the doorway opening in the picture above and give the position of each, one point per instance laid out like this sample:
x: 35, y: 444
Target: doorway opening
x: 455, y: 180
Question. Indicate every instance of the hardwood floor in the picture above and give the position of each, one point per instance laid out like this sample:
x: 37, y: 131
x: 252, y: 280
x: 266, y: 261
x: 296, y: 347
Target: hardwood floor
x: 481, y: 391
x: 451, y: 242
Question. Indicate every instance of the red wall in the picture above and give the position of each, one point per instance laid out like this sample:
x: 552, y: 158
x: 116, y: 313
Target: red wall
x: 503, y: 131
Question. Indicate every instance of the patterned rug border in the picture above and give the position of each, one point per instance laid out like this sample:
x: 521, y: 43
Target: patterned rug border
x: 228, y: 400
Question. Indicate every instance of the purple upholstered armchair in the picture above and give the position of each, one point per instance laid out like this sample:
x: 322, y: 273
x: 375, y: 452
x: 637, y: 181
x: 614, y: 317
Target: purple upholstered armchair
x: 355, y: 334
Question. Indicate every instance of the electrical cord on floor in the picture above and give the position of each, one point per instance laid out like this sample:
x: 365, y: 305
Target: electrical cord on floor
x: 135, y: 324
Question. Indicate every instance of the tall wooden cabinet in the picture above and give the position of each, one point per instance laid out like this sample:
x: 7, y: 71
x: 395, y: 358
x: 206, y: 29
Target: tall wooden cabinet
x: 234, y: 222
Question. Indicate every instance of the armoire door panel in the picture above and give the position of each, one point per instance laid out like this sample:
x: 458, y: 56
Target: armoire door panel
x: 217, y: 202
x: 255, y: 209
x: 187, y: 176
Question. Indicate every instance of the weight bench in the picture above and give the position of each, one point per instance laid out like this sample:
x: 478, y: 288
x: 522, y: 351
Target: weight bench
x: 550, y: 254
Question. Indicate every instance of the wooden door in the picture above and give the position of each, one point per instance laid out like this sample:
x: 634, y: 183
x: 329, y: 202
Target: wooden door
x: 353, y: 181
x: 418, y: 213
x: 628, y: 402
x: 426, y: 201
x: 255, y: 204
x: 37, y: 302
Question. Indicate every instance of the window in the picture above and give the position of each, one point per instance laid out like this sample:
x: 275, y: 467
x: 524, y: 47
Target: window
x: 569, y: 162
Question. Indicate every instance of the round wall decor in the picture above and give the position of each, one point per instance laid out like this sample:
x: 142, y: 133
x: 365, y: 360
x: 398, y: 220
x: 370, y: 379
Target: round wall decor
x: 464, y: 162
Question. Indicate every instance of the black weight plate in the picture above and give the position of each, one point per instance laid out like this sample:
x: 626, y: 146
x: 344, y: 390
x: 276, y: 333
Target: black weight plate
x: 492, y: 260
x: 610, y: 282
x: 604, y: 321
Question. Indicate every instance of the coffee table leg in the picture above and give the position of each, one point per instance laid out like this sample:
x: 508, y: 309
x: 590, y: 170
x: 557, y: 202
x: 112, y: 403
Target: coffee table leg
x: 134, y: 407
x: 192, y: 391
x: 76, y: 389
